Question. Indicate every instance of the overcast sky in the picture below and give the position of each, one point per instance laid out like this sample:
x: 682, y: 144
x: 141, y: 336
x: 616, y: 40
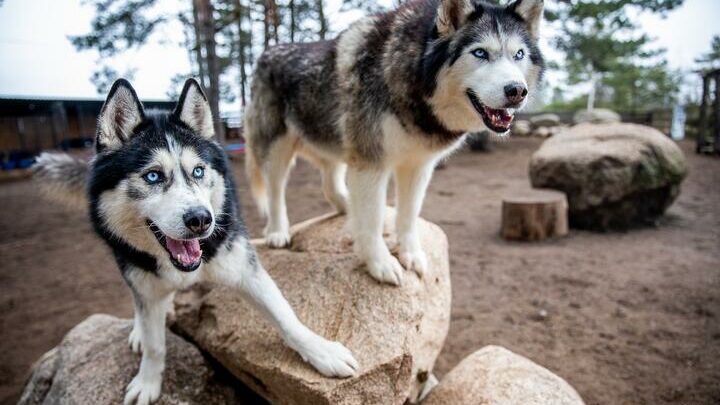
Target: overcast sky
x: 39, y: 61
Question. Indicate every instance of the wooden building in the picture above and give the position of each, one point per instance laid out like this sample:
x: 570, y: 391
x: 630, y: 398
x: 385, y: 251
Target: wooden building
x: 30, y: 125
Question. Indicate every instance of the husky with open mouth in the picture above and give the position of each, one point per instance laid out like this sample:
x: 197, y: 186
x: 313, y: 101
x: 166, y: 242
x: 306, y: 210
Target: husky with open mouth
x: 162, y: 197
x: 391, y: 95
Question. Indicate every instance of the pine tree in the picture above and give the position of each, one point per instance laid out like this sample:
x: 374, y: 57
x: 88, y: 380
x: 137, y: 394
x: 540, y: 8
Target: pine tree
x: 601, y: 40
x: 711, y: 60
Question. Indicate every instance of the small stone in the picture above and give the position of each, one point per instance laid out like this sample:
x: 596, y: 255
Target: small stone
x: 545, y: 120
x: 521, y: 128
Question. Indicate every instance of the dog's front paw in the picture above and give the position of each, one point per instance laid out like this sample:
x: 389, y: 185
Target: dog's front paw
x: 330, y: 359
x: 135, y: 340
x: 142, y: 391
x: 278, y: 240
x: 385, y: 269
x: 413, y: 259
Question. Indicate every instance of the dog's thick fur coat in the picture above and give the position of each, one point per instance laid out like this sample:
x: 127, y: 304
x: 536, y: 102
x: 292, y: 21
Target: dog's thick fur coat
x: 391, y: 95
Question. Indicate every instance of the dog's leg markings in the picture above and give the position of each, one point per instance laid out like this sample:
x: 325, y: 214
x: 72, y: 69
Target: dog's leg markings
x: 277, y: 167
x: 331, y: 359
x: 368, y: 191
x: 145, y: 386
x: 334, y: 187
x: 411, y: 182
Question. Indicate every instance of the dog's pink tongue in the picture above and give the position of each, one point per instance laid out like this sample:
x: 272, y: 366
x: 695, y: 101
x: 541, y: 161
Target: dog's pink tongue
x: 186, y: 252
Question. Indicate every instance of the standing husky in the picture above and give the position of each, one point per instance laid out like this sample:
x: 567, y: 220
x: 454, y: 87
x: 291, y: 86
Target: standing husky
x: 393, y: 94
x: 162, y: 197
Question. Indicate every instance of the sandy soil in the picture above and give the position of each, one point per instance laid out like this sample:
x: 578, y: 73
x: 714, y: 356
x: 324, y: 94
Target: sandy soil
x: 626, y: 318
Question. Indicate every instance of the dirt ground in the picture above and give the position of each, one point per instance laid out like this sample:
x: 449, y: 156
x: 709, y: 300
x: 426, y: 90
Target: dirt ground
x: 626, y: 318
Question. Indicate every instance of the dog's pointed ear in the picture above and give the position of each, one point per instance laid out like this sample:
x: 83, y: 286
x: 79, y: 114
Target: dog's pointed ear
x: 531, y: 11
x: 193, y: 109
x: 119, y: 116
x: 452, y: 14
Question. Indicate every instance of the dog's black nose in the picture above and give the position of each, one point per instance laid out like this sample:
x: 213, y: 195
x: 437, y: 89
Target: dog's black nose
x: 198, y: 220
x: 516, y: 92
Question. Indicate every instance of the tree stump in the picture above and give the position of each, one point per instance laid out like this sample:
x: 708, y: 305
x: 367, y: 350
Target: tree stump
x: 534, y: 214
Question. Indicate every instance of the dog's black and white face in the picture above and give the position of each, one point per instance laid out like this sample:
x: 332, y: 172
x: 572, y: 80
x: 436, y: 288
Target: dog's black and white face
x: 493, y: 66
x: 158, y: 179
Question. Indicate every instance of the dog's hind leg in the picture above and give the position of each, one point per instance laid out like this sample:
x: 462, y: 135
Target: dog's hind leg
x: 275, y: 171
x: 334, y: 187
x: 411, y: 182
x: 333, y: 178
x: 368, y: 191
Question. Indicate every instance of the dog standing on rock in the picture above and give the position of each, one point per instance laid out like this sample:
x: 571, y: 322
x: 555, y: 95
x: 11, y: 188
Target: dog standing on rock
x: 391, y: 95
x: 162, y: 197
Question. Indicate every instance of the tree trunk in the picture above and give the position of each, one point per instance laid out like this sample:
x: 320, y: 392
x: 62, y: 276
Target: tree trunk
x: 271, y: 22
x: 198, y: 47
x: 275, y: 20
x: 249, y: 33
x: 291, y: 6
x: 717, y: 113
x: 241, y: 52
x: 703, y: 120
x: 593, y: 90
x: 266, y: 23
x: 534, y: 215
x: 321, y: 18
x: 205, y: 17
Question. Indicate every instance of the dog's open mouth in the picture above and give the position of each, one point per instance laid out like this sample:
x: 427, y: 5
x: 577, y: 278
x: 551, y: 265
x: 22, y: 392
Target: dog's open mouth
x: 497, y: 120
x: 185, y: 255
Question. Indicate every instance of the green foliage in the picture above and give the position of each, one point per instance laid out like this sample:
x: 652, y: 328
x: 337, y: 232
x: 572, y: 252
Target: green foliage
x: 600, y: 36
x: 601, y: 41
x: 641, y: 87
x: 119, y: 26
x: 711, y: 59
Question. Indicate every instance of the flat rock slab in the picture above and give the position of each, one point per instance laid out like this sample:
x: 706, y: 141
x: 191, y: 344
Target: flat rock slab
x: 93, y: 364
x: 615, y: 175
x: 396, y: 333
x: 496, y: 376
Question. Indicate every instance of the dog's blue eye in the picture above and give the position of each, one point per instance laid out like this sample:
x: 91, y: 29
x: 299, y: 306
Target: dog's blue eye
x: 198, y: 172
x: 520, y: 55
x: 480, y: 53
x: 153, y: 177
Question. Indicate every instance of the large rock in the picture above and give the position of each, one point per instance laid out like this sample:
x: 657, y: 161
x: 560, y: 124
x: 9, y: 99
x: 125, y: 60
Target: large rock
x: 496, y: 376
x: 615, y: 175
x: 93, y: 364
x: 395, y: 333
x: 521, y: 128
x: 545, y: 120
x: 597, y: 116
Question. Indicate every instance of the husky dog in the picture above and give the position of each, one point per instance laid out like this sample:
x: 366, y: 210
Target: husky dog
x: 393, y: 94
x: 162, y: 197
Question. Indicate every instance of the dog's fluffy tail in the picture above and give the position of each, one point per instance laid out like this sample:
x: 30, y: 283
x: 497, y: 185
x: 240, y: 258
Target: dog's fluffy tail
x: 63, y: 178
x: 257, y: 182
